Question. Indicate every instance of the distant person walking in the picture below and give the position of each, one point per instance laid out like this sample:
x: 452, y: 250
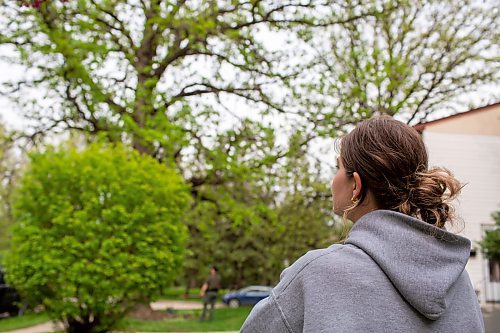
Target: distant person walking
x: 209, y: 292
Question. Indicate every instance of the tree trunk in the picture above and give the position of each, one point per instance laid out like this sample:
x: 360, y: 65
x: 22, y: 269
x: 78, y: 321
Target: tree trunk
x: 87, y: 324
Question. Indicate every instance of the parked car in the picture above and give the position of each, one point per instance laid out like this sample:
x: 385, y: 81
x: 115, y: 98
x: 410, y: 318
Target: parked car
x: 250, y: 295
x: 9, y: 298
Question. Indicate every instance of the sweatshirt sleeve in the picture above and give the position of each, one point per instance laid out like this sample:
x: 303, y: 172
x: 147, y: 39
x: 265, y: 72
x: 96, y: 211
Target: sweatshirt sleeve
x: 265, y: 317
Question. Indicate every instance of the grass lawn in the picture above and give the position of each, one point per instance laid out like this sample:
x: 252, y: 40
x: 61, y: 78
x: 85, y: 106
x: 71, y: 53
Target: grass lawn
x: 27, y: 320
x: 225, y: 319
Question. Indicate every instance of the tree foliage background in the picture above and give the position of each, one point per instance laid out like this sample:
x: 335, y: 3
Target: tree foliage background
x: 412, y: 60
x: 10, y: 163
x: 238, y: 94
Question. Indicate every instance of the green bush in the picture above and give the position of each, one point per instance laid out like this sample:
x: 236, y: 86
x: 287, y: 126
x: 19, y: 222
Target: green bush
x: 96, y: 231
x: 491, y: 242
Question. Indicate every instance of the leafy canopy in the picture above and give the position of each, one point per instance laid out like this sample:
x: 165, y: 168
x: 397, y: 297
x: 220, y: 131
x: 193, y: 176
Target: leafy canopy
x: 219, y: 88
x: 412, y: 59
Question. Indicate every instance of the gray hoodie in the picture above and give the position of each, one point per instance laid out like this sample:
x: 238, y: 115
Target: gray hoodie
x: 394, y: 273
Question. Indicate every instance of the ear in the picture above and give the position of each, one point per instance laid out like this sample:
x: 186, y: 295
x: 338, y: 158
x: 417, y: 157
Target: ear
x: 357, y: 186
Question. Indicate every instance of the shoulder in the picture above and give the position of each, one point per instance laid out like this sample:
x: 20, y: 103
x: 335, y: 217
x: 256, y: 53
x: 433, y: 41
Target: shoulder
x: 334, y: 259
x: 314, y: 276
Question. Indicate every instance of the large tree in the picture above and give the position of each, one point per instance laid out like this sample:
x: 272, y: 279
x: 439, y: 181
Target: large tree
x: 218, y: 88
x: 152, y: 71
x: 166, y: 77
x: 159, y: 74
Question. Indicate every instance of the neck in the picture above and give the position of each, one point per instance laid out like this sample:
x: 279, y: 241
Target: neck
x: 368, y: 205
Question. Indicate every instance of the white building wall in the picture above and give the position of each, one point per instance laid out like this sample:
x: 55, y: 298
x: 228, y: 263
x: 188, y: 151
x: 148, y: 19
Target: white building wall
x: 475, y: 160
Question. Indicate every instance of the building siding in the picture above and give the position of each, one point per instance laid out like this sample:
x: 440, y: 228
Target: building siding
x: 482, y: 121
x: 475, y: 161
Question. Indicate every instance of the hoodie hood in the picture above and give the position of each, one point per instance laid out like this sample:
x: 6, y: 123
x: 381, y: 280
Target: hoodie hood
x: 423, y: 262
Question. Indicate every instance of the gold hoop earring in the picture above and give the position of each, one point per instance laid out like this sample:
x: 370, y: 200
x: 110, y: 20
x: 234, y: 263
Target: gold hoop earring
x: 354, y: 200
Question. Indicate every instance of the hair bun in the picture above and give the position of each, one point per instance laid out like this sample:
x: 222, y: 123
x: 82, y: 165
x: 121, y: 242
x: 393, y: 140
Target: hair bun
x: 430, y: 197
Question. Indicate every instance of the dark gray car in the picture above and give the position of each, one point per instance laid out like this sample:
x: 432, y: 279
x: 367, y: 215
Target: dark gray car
x: 9, y: 298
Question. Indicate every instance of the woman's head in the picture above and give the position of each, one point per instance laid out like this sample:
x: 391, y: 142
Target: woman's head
x: 384, y: 164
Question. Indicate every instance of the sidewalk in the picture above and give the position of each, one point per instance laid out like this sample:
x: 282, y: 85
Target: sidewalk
x: 491, y: 315
x: 47, y: 327
x: 180, y: 305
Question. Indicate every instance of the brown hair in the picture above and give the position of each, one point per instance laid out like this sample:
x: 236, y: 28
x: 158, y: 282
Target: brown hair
x: 392, y: 162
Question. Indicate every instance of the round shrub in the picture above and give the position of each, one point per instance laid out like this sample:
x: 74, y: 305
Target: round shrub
x: 96, y: 231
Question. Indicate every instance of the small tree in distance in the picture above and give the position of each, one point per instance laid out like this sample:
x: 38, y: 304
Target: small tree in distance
x: 96, y: 231
x: 491, y: 242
